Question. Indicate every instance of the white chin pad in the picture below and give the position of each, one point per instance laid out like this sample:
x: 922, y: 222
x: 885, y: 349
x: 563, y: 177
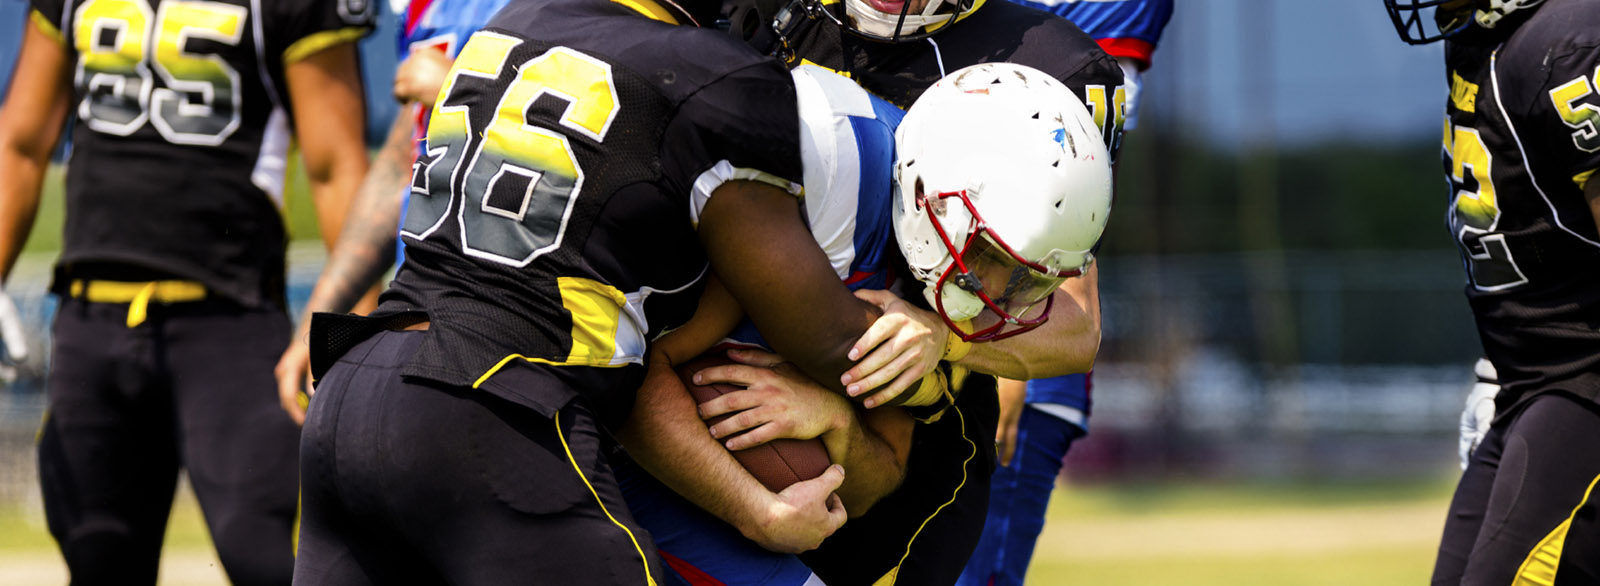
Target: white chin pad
x: 959, y: 305
x: 873, y: 21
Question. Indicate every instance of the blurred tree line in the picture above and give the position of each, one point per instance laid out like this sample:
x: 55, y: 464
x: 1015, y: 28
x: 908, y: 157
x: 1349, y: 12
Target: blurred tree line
x: 1176, y: 196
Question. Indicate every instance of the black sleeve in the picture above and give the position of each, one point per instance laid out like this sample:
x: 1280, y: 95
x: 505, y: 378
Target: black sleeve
x: 50, y: 15
x: 743, y: 126
x: 1562, y: 120
x: 296, y: 29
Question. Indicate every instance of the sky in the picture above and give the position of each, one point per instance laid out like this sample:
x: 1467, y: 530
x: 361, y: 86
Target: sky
x: 1229, y: 72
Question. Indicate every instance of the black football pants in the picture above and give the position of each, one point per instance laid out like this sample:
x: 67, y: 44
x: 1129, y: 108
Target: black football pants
x: 411, y: 482
x: 925, y: 530
x: 1525, y: 510
x: 191, y: 387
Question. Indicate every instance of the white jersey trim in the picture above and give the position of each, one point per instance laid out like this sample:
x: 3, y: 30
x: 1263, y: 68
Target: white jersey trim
x: 1527, y: 165
x: 723, y: 172
x: 272, y: 160
x: 831, y: 158
x: 1062, y: 412
x: 632, y: 324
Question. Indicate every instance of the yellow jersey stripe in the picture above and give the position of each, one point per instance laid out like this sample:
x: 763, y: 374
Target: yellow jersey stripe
x: 650, y: 9
x: 316, y: 42
x: 45, y: 26
x: 648, y: 579
x: 1582, y: 179
x: 596, y: 309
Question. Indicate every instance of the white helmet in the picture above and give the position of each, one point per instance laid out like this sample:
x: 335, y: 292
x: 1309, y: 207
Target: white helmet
x: 1003, y: 189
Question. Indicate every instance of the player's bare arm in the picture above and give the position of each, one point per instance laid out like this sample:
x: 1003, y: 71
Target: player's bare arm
x: 30, y: 124
x: 1066, y: 344
x: 364, y: 251
x: 786, y: 286
x: 672, y: 444
x: 665, y: 436
x: 326, y: 97
x: 781, y: 402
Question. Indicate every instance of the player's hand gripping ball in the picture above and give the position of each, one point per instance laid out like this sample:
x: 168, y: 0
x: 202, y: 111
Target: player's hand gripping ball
x: 777, y: 463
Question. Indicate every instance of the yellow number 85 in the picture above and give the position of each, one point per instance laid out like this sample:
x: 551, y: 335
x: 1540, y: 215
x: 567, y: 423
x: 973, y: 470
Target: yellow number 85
x: 114, y: 40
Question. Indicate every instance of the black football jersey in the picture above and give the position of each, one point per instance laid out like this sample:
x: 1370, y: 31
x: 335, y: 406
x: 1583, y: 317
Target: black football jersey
x: 992, y: 31
x: 1520, y: 141
x: 179, y: 150
x: 553, y: 208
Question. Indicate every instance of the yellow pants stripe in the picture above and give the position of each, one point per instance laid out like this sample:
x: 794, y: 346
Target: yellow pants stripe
x: 648, y: 579
x: 894, y: 574
x: 1539, y: 569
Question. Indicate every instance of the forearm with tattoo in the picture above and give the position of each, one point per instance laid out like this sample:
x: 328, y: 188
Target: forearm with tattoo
x: 367, y: 244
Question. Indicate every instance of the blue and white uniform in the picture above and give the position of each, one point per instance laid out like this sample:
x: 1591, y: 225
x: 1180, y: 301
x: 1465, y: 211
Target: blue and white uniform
x: 438, y: 25
x: 847, y: 147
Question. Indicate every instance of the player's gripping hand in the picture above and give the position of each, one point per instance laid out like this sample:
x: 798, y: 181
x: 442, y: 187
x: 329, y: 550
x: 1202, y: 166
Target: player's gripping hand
x: 778, y: 401
x: 420, y: 76
x: 1479, y: 413
x: 11, y: 337
x: 803, y: 515
x: 294, y: 375
x: 902, y: 346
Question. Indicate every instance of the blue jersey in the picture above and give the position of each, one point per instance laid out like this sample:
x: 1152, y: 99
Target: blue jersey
x: 443, y: 25
x: 436, y: 25
x: 847, y: 146
x: 1071, y: 391
x: 1123, y: 28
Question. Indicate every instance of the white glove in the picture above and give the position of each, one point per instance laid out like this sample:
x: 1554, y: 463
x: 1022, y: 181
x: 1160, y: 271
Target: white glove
x: 1131, y: 84
x: 1479, y: 413
x: 16, y: 346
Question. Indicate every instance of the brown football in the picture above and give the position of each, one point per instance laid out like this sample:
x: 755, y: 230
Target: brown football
x: 778, y: 463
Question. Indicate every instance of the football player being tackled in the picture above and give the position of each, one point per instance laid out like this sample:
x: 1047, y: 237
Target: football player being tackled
x: 1521, y: 148
x: 1003, y: 188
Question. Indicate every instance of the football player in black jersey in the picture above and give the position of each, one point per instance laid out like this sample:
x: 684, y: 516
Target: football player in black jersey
x: 586, y: 162
x: 1520, y: 149
x: 171, y: 275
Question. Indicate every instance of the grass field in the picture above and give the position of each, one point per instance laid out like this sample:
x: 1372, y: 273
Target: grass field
x: 1189, y: 534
